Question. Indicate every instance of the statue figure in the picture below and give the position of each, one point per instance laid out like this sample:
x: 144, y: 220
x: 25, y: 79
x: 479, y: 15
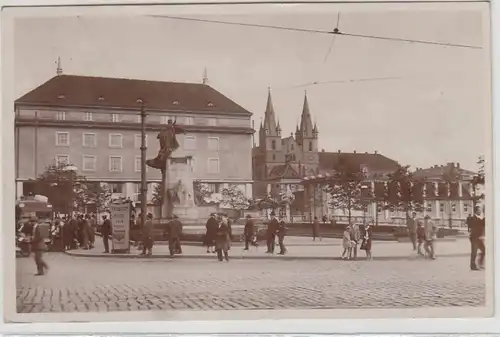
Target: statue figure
x: 168, y: 144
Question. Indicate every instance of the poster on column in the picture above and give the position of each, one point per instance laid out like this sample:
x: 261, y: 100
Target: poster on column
x: 120, y: 227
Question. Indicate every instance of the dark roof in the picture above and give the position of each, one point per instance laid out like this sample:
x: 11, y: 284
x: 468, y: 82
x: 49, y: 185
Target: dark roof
x: 285, y: 171
x: 85, y: 91
x: 372, y: 161
x: 439, y: 171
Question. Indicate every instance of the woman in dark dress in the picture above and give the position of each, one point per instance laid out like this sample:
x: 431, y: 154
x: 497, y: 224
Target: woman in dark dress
x: 366, y: 245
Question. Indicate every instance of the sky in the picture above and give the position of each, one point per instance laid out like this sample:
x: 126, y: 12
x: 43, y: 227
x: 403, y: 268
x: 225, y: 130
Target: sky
x: 421, y: 105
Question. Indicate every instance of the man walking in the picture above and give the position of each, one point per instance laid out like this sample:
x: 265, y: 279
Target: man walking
x: 355, y: 237
x: 281, y: 236
x: 430, y: 231
x: 211, y: 231
x: 147, y: 231
x: 411, y: 224
x: 106, y: 232
x: 40, y: 233
x: 477, y: 232
x: 272, y: 228
x: 249, y: 232
x: 315, y: 229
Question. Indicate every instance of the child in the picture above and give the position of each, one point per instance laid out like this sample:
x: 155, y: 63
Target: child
x: 347, y: 244
x: 420, y: 237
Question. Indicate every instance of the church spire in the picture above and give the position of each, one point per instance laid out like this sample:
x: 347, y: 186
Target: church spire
x: 269, y: 116
x: 306, y: 125
x: 205, y: 76
x: 59, y: 70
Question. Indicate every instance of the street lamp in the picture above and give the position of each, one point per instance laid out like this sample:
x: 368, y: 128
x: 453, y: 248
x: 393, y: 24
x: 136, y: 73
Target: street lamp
x: 364, y: 199
x: 144, y: 188
x: 71, y: 169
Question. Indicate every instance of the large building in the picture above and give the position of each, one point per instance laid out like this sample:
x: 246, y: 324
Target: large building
x: 280, y: 163
x: 94, y: 123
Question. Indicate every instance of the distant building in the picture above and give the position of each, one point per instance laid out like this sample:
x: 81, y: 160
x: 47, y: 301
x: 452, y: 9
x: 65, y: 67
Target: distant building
x: 94, y: 124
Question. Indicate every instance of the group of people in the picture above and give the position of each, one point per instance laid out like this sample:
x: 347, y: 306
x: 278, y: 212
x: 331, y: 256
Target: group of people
x: 352, y: 238
x: 173, y: 229
x: 72, y: 232
x: 218, y: 235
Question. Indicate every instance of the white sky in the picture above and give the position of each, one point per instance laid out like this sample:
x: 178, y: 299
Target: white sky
x: 434, y: 112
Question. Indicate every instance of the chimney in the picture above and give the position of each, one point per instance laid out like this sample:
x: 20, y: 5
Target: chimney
x: 338, y: 151
x: 376, y: 152
x: 458, y: 165
x: 354, y: 151
x: 322, y: 150
x: 366, y: 152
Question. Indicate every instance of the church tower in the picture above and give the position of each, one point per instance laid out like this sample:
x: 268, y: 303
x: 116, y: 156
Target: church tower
x: 270, y: 138
x: 306, y: 136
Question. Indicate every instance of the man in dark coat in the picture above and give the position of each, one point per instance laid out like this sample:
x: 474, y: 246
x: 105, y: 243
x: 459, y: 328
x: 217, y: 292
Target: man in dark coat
x: 249, y: 232
x: 477, y: 233
x: 40, y: 234
x: 147, y: 230
x: 174, y: 235
x: 106, y: 232
x: 281, y: 236
x: 272, y: 229
x: 211, y: 226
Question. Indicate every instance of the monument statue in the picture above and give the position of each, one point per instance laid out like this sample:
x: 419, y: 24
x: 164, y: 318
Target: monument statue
x: 168, y: 144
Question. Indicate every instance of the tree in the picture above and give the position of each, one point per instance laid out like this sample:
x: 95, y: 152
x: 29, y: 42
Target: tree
x: 202, y: 194
x: 157, y: 194
x: 95, y: 194
x: 478, y: 182
x: 233, y: 197
x: 404, y: 191
x: 61, y: 186
x: 345, y: 187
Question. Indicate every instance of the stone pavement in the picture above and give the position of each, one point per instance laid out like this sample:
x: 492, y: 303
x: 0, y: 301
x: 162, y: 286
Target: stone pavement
x: 297, y: 248
x: 80, y: 284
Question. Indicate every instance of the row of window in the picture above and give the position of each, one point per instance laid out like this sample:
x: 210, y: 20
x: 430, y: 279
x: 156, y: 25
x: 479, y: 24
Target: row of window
x: 115, y: 163
x: 115, y: 140
x: 116, y: 118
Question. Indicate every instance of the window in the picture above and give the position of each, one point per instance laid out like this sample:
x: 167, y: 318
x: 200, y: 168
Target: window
x: 137, y: 191
x: 115, y: 140
x: 189, y: 120
x: 453, y: 208
x: 138, y: 141
x: 115, y: 164
x: 62, y: 159
x: 61, y: 115
x: 466, y: 208
x: 213, y: 165
x: 274, y: 156
x: 190, y: 143
x: 291, y: 147
x: 89, y: 140
x: 87, y: 116
x: 137, y: 164
x: 273, y: 145
x: 116, y: 188
x: 441, y: 208
x: 212, y: 121
x: 89, y: 163
x: 213, y: 187
x: 114, y: 118
x: 62, y: 138
x: 213, y: 143
x: 310, y: 146
x: 429, y: 207
x: 138, y: 119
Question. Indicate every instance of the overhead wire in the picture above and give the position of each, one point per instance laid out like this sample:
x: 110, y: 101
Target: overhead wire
x: 333, y: 39
x: 316, y: 31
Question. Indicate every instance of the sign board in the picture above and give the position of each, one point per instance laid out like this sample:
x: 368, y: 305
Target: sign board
x: 120, y: 227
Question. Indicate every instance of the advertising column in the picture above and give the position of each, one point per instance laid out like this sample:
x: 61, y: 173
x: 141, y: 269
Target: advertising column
x: 120, y: 226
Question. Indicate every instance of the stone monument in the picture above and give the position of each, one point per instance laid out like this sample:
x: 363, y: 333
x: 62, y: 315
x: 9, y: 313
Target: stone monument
x: 177, y: 178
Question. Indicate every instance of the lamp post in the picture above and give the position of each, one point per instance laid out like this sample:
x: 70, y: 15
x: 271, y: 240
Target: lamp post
x: 364, y: 199
x: 71, y: 169
x: 144, y: 187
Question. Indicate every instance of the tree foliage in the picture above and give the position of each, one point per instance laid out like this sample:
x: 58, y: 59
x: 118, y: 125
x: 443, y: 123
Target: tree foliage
x: 345, y: 187
x: 94, y: 193
x: 404, y: 191
x: 234, y: 198
x: 478, y: 182
x: 157, y: 194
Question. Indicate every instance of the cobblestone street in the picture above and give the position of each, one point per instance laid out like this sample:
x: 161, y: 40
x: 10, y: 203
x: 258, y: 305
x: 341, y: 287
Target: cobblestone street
x: 90, y: 284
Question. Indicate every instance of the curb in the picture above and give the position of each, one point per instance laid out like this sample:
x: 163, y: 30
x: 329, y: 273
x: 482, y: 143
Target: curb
x: 258, y: 257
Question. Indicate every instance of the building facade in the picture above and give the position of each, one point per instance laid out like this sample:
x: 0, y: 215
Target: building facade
x: 94, y: 124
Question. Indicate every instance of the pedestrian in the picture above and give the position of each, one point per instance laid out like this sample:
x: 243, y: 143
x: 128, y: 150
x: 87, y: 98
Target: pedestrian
x: 346, y: 243
x: 92, y: 230
x: 366, y: 245
x: 174, y: 233
x: 222, y: 240
x: 281, y: 236
x: 420, y: 238
x: 476, y: 237
x: 106, y: 232
x: 211, y: 231
x: 355, y: 238
x: 272, y: 229
x: 430, y: 236
x: 315, y: 229
x: 411, y: 224
x: 148, y: 236
x: 40, y: 234
x: 249, y: 232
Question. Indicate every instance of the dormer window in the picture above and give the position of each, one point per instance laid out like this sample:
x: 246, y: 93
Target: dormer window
x: 210, y: 104
x: 101, y: 98
x: 61, y: 97
x: 175, y: 102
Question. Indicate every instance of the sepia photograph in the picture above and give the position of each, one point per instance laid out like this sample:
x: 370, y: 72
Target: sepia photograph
x: 334, y: 159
